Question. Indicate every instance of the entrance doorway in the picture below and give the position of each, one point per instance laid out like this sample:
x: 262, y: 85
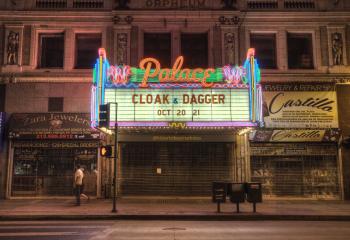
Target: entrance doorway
x: 173, y: 168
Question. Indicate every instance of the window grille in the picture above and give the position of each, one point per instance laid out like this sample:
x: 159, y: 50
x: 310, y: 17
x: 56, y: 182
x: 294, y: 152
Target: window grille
x: 265, y: 4
x: 298, y: 4
x: 88, y: 4
x: 51, y: 3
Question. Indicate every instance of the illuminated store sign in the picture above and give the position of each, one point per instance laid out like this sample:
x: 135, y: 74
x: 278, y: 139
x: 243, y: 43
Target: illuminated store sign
x: 152, y: 96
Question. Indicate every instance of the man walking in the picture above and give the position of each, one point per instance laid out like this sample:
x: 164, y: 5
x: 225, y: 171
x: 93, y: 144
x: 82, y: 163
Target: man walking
x: 78, y: 183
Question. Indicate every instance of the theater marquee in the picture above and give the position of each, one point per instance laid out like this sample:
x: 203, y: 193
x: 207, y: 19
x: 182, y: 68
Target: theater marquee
x: 152, y: 96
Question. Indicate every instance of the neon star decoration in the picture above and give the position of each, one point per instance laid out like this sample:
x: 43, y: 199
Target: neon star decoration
x: 150, y: 75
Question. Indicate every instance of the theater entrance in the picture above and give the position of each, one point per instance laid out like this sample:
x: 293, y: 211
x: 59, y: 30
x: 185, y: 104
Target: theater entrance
x: 173, y: 168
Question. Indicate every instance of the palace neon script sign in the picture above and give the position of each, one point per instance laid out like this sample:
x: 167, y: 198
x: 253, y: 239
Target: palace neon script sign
x: 176, y: 74
x: 150, y: 71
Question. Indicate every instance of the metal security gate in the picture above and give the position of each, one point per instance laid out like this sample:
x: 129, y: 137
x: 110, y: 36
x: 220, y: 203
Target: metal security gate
x: 46, y: 171
x: 297, y: 176
x: 184, y: 169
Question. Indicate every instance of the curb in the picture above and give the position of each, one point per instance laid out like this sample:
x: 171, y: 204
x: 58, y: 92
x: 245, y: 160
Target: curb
x: 178, y: 217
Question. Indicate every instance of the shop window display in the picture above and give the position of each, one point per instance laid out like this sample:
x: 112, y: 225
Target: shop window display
x: 49, y: 171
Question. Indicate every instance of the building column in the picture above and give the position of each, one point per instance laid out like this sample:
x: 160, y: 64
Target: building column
x: 12, y: 57
x: 229, y: 45
x: 241, y: 164
x: 121, y: 46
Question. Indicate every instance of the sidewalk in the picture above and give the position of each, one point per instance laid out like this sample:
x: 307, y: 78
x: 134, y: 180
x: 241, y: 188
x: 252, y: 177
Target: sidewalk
x: 172, y: 209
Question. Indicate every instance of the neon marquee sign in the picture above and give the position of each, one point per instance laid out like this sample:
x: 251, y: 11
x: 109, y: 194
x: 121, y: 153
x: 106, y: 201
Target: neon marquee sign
x: 226, y: 97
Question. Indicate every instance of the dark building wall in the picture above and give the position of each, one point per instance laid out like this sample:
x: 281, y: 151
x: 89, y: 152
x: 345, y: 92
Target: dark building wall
x: 343, y: 91
x: 34, y: 96
x: 2, y: 40
x: 2, y: 97
x: 2, y: 148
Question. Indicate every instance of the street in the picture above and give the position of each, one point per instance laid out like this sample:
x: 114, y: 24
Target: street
x: 144, y: 230
x: 53, y: 230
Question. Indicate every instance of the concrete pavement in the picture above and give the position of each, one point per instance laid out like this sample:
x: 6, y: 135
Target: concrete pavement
x: 172, y: 209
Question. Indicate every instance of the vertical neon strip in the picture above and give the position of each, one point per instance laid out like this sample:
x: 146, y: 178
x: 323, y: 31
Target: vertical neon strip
x: 92, y: 109
x: 100, y: 79
x: 253, y: 90
x: 249, y: 81
x: 261, y: 117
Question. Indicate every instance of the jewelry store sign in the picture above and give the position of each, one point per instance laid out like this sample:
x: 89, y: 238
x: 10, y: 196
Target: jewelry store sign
x: 300, y: 106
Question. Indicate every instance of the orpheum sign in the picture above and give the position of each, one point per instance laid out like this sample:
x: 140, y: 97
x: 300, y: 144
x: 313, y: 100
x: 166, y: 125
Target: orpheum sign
x: 153, y: 96
x: 300, y: 106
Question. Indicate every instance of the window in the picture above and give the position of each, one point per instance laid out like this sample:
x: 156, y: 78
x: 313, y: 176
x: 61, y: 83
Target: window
x: 194, y: 48
x: 86, y: 47
x: 51, y: 50
x: 265, y: 49
x: 55, y: 104
x: 158, y: 45
x: 300, y: 54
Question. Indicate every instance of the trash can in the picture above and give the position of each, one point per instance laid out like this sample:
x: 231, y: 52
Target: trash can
x: 219, y: 193
x: 236, y: 192
x: 254, y: 193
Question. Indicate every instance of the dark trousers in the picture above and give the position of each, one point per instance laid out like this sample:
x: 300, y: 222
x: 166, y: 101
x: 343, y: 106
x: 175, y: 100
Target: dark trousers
x: 78, y: 190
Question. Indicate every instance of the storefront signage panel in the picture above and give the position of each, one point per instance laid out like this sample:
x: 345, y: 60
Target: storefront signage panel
x: 296, y: 108
x: 296, y: 135
x: 180, y: 104
x: 292, y: 149
x: 51, y: 126
x: 56, y: 144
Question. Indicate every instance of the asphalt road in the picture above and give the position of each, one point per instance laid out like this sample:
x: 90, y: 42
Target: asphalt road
x: 174, y: 230
x: 52, y: 230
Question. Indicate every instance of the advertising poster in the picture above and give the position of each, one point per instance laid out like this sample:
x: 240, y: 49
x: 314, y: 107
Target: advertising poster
x: 300, y: 106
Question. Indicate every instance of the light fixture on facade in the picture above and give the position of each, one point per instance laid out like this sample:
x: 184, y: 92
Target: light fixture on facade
x: 244, y: 131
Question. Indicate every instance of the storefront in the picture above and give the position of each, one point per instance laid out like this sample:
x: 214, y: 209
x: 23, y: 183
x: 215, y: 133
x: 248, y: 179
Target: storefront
x: 178, y: 127
x: 296, y: 155
x: 44, y: 150
x: 175, y: 164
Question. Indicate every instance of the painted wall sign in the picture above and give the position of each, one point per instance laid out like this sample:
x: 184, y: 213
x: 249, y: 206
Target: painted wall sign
x: 154, y: 96
x: 2, y: 129
x: 298, y: 107
x: 296, y: 135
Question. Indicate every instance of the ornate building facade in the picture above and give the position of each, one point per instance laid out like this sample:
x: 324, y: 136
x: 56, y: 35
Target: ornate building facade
x: 48, y: 49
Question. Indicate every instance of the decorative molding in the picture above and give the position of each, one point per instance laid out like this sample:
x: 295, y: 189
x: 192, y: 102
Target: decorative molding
x: 122, y: 48
x: 229, y: 46
x: 229, y: 21
x: 337, y: 48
